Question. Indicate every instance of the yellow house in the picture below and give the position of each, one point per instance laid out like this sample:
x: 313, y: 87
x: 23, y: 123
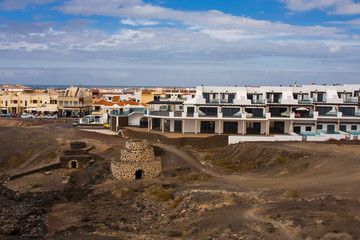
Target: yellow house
x: 74, y: 101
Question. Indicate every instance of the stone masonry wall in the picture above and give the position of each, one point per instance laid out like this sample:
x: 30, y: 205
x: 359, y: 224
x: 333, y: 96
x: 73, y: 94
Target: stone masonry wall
x: 137, y: 155
x: 126, y: 170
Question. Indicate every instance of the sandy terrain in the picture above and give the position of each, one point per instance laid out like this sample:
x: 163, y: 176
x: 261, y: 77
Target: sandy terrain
x: 244, y: 191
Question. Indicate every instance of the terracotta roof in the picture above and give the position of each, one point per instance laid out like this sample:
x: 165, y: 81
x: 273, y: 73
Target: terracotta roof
x: 116, y: 99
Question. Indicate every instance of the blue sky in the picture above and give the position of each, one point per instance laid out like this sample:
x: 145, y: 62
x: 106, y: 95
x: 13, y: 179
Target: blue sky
x: 179, y: 42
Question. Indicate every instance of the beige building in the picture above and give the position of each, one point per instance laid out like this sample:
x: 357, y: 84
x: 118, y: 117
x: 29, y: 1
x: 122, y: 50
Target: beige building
x: 74, y: 101
x: 20, y: 102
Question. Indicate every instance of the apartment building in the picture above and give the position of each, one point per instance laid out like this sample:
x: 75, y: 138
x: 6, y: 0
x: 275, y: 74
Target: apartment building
x: 308, y: 110
x: 74, y: 101
x: 35, y: 102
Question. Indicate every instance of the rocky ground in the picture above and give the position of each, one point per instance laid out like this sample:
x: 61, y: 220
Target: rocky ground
x: 243, y: 191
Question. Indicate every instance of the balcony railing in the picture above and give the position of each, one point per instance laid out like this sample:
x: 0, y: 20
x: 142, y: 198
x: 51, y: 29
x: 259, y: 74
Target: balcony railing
x: 258, y: 101
x: 250, y: 115
x: 236, y: 115
x: 159, y: 113
x: 201, y: 114
x: 178, y: 114
x: 349, y: 100
x: 298, y: 115
x: 190, y: 114
x: 305, y: 101
x: 319, y: 100
x: 273, y: 100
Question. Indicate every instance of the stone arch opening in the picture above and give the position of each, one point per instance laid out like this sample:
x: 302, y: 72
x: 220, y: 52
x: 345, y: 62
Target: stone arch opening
x: 139, y: 174
x: 74, y: 164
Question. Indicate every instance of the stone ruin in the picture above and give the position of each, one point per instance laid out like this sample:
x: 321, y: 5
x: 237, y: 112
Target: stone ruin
x: 137, y: 161
x: 77, y: 156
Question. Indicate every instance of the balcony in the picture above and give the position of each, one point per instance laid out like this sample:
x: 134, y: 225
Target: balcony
x: 258, y: 101
x: 319, y: 100
x: 201, y: 114
x: 299, y: 115
x: 250, y: 115
x: 305, y: 101
x: 236, y: 115
x: 159, y: 113
x: 178, y: 114
x: 273, y: 100
x: 350, y: 100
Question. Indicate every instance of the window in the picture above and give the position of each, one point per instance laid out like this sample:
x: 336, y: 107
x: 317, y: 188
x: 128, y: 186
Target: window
x: 353, y: 127
x: 15, y: 101
x: 319, y: 127
x: 60, y: 103
x: 66, y: 103
x: 308, y: 129
x: 34, y: 101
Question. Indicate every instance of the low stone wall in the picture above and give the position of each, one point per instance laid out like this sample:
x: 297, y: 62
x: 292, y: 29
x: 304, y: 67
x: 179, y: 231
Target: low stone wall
x: 127, y: 170
x: 139, y: 155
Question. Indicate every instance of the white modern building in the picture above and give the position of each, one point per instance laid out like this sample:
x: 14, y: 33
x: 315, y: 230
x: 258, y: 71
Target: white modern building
x: 309, y: 111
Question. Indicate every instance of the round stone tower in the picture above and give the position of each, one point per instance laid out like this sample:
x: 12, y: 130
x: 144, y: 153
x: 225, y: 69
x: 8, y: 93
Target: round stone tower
x: 137, y: 161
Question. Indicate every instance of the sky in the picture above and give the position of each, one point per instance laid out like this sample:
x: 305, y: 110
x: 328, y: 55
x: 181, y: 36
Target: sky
x: 179, y: 43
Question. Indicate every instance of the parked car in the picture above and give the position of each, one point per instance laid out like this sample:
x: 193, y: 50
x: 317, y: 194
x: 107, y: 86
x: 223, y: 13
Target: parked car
x: 75, y: 122
x: 106, y: 126
x: 49, y: 117
x: 2, y: 114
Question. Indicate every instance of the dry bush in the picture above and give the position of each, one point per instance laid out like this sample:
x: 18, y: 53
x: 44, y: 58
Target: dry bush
x: 292, y: 193
x: 158, y: 193
x: 123, y: 192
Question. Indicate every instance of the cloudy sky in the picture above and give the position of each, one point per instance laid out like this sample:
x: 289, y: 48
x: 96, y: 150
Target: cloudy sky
x: 179, y: 42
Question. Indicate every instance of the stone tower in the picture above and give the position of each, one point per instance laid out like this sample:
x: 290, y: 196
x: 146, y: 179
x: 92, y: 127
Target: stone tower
x: 137, y: 160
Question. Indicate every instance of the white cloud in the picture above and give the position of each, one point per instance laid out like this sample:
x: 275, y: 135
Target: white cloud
x: 138, y: 22
x: 339, y: 7
x: 10, y: 5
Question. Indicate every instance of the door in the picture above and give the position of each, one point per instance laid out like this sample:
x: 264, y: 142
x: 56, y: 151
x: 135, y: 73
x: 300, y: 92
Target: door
x: 177, y: 126
x: 343, y: 128
x: 230, y: 127
x: 297, y: 129
x: 207, y: 127
x: 330, y: 128
x: 253, y: 128
x: 276, y: 127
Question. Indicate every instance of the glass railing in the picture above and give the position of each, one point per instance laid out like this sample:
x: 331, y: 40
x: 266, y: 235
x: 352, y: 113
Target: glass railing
x: 319, y: 100
x: 159, y: 113
x: 305, y: 101
x: 298, y: 115
x: 258, y: 101
x: 273, y: 100
x: 348, y: 100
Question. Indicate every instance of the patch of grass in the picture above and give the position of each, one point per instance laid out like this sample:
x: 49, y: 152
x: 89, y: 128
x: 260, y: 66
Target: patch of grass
x: 226, y: 163
x: 292, y: 193
x: 231, y: 166
x: 110, y: 149
x: 158, y: 193
x: 51, y: 155
x: 195, y: 177
x: 123, y: 192
x: 20, y: 159
x: 36, y: 185
x: 281, y: 159
x: 209, y: 156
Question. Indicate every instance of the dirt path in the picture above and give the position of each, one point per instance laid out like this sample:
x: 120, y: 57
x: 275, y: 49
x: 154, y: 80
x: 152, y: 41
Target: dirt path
x: 187, y: 158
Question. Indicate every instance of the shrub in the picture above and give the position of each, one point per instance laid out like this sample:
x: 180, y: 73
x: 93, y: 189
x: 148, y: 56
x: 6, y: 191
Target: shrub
x: 123, y: 192
x: 281, y: 159
x: 51, y: 156
x: 292, y: 193
x: 20, y: 159
x: 36, y: 185
x: 209, y: 156
x: 159, y: 193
